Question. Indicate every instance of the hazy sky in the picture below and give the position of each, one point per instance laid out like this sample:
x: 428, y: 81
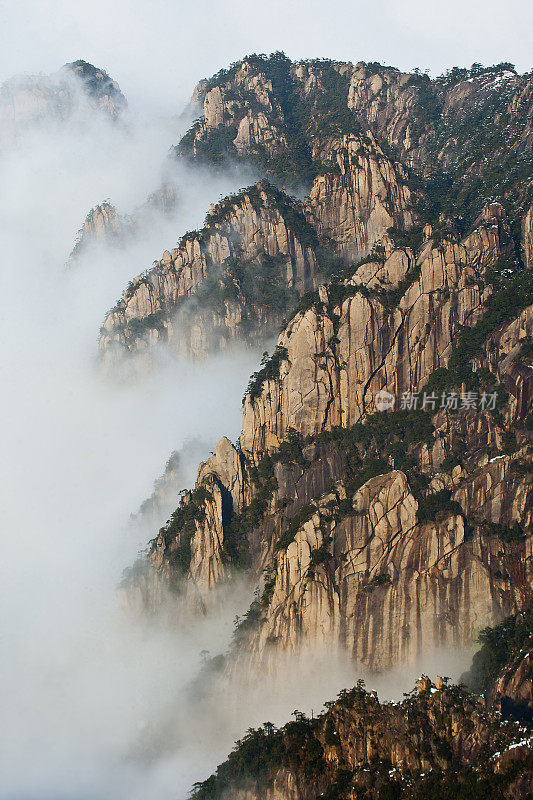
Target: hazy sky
x: 84, y: 688
x: 159, y: 49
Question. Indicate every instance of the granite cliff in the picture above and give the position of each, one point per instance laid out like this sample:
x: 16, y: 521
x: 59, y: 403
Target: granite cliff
x: 369, y: 149
x: 379, y: 499
x: 385, y: 532
x: 238, y: 275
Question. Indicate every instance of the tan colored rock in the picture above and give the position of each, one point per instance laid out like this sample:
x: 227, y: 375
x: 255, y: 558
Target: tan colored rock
x: 355, y: 205
x: 32, y: 99
x: 225, y: 464
x: 423, y: 684
x: 391, y: 588
x: 385, y: 100
x: 334, y: 370
x: 159, y: 305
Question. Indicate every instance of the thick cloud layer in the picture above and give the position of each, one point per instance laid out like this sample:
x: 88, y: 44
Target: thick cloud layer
x: 78, y: 680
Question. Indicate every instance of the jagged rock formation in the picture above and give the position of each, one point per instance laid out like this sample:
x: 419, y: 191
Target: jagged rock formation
x: 380, y: 496
x: 277, y: 114
x: 104, y: 225
x: 440, y: 742
x: 348, y: 212
x: 374, y: 147
x: 385, y: 533
x: 101, y: 225
x: 239, y: 275
x: 341, y: 352
x: 387, y: 588
x: 356, y: 206
x: 514, y: 685
x: 32, y: 99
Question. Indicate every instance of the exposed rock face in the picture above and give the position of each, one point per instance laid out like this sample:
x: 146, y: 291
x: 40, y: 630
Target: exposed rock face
x: 101, y: 222
x: 367, y: 569
x: 223, y: 262
x: 387, y: 588
x: 100, y: 88
x: 224, y: 104
x: 269, y: 108
x: 350, y: 210
x: 32, y: 99
x: 515, y: 684
x: 386, y: 533
x: 363, y: 139
x: 355, y: 206
x: 338, y: 359
x: 387, y: 100
x: 101, y: 225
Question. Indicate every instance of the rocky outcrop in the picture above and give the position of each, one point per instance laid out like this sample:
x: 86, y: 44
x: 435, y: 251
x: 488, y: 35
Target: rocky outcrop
x: 267, y: 106
x: 507, y: 355
x: 370, y: 568
x: 180, y: 471
x: 513, y: 688
x: 371, y: 144
x: 341, y: 353
x: 101, y: 90
x: 366, y: 522
x: 346, y: 213
x: 388, y: 588
x: 355, y: 205
x: 79, y: 85
x: 387, y: 100
x: 228, y: 103
x: 239, y: 273
x: 104, y: 225
x: 441, y: 741
x: 101, y: 225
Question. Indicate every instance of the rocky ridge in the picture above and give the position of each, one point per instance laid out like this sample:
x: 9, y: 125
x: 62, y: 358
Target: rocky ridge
x: 344, y: 216
x: 216, y: 282
x: 386, y: 533
x: 373, y: 149
x: 33, y: 99
x: 104, y: 225
x: 380, y: 496
x: 279, y: 113
x: 439, y: 742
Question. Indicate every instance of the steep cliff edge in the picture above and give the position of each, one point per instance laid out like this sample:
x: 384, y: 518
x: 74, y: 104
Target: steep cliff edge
x: 383, y: 532
x: 361, y: 196
x: 372, y: 148
x: 277, y: 114
x: 238, y: 275
x: 356, y: 338
x: 103, y: 225
x: 274, y: 250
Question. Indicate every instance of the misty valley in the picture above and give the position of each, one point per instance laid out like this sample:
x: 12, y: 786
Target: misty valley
x: 267, y: 395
